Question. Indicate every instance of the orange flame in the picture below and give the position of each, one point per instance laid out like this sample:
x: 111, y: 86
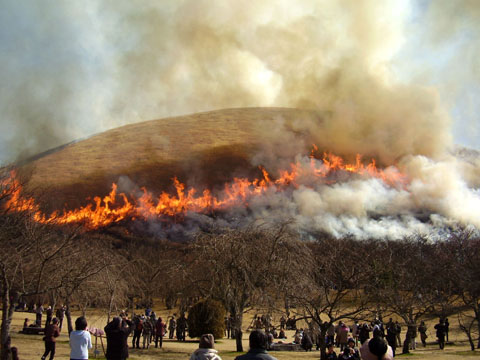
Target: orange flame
x: 117, y: 207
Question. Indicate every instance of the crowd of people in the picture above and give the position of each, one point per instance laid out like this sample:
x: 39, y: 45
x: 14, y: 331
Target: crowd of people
x: 349, y: 340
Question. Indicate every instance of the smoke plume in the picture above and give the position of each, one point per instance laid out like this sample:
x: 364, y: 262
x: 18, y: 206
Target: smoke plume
x: 86, y: 68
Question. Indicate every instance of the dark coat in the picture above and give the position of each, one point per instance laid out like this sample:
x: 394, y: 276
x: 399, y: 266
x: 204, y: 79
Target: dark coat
x: 256, y: 354
x: 117, y: 347
x: 51, y: 332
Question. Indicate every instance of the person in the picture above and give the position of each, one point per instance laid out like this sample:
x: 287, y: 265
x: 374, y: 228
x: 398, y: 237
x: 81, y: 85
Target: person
x: 391, y: 335
x: 343, y: 335
x: 440, y: 327
x: 331, y: 354
x: 398, y: 329
x: 376, y: 349
x: 412, y: 330
x: 353, y: 351
x: 297, y: 337
x: 117, y: 332
x: 51, y: 333
x: 364, y: 333
x: 39, y: 312
x: 282, y: 323
x: 422, y: 329
x: 159, y: 331
x: 147, y: 332
x: 447, y: 326
x: 60, y: 314
x: 172, y: 325
x: 80, y: 340
x: 26, y: 323
x: 331, y: 334
x: 137, y: 331
x: 181, y: 327
x: 355, y: 331
x: 206, y: 349
x: 14, y: 351
x: 49, y: 316
x: 307, y: 342
x: 282, y: 335
x: 258, y: 347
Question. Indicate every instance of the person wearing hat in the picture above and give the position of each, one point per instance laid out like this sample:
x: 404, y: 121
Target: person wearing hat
x: 206, y: 349
x: 51, y: 333
x: 353, y: 351
x: 331, y: 354
x: 376, y: 348
x: 258, y: 347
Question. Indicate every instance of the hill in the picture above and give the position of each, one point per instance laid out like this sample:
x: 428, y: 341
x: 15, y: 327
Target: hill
x: 205, y: 149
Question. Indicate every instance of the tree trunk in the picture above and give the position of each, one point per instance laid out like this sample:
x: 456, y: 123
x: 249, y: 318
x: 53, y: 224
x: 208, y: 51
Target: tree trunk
x: 323, y: 345
x: 238, y: 330
x: 406, y: 343
x: 6, y: 321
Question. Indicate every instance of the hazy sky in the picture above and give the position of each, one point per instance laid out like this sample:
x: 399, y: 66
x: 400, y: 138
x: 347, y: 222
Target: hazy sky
x: 69, y: 69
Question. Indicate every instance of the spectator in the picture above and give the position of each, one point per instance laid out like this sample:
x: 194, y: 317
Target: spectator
x: 147, y: 332
x: 39, y: 312
x: 14, y: 351
x: 60, y: 314
x: 51, y: 333
x: 353, y: 351
x: 80, y: 340
x: 206, y: 349
x: 117, y: 332
x: 376, y: 349
x: 331, y: 354
x: 137, y: 331
x: 447, y: 326
x: 307, y: 342
x: 172, y: 325
x: 49, y: 316
x: 440, y: 327
x: 159, y: 331
x: 258, y: 347
x: 422, y: 329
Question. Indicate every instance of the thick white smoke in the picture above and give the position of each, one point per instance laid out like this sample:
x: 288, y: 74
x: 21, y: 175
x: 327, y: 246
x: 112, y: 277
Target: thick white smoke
x: 70, y: 69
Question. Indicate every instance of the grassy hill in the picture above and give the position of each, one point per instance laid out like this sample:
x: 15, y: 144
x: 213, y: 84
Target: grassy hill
x: 203, y: 149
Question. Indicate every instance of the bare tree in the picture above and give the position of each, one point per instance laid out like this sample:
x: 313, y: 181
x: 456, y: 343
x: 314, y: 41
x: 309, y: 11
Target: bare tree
x: 333, y: 287
x: 29, y: 251
x: 239, y: 266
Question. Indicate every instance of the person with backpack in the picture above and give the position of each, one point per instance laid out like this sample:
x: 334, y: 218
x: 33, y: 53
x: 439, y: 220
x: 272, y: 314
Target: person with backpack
x: 137, y: 332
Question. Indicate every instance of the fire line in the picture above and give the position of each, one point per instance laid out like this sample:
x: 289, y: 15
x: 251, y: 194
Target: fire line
x: 116, y: 207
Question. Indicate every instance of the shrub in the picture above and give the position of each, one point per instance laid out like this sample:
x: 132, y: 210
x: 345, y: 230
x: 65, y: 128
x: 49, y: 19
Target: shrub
x: 206, y: 317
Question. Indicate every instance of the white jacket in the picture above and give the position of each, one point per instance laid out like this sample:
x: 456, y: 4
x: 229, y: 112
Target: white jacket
x: 205, y: 354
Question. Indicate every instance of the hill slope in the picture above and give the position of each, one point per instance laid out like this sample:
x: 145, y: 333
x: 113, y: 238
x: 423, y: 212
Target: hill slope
x: 204, y: 149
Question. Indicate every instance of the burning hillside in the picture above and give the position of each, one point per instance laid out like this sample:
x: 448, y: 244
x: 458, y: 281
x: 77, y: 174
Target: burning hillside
x: 246, y: 165
x: 116, y: 207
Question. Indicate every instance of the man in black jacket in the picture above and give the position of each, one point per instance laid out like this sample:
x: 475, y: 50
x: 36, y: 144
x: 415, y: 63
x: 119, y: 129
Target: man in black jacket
x: 117, y: 332
x: 258, y: 341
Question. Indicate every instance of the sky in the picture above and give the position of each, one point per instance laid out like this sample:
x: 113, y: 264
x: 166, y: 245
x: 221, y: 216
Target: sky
x: 72, y: 69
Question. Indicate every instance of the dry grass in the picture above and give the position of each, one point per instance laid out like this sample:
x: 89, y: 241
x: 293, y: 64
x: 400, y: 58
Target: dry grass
x: 204, y: 148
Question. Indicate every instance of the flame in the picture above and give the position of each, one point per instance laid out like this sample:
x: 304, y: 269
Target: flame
x: 116, y: 207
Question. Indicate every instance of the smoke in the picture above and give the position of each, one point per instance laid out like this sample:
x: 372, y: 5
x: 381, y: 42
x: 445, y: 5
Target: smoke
x: 69, y: 70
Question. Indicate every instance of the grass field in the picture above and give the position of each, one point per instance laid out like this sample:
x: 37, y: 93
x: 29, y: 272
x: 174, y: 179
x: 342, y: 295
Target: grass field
x: 203, y: 149
x: 32, y: 346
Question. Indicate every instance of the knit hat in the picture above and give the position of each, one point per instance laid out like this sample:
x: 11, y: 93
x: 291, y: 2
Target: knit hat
x: 207, y: 341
